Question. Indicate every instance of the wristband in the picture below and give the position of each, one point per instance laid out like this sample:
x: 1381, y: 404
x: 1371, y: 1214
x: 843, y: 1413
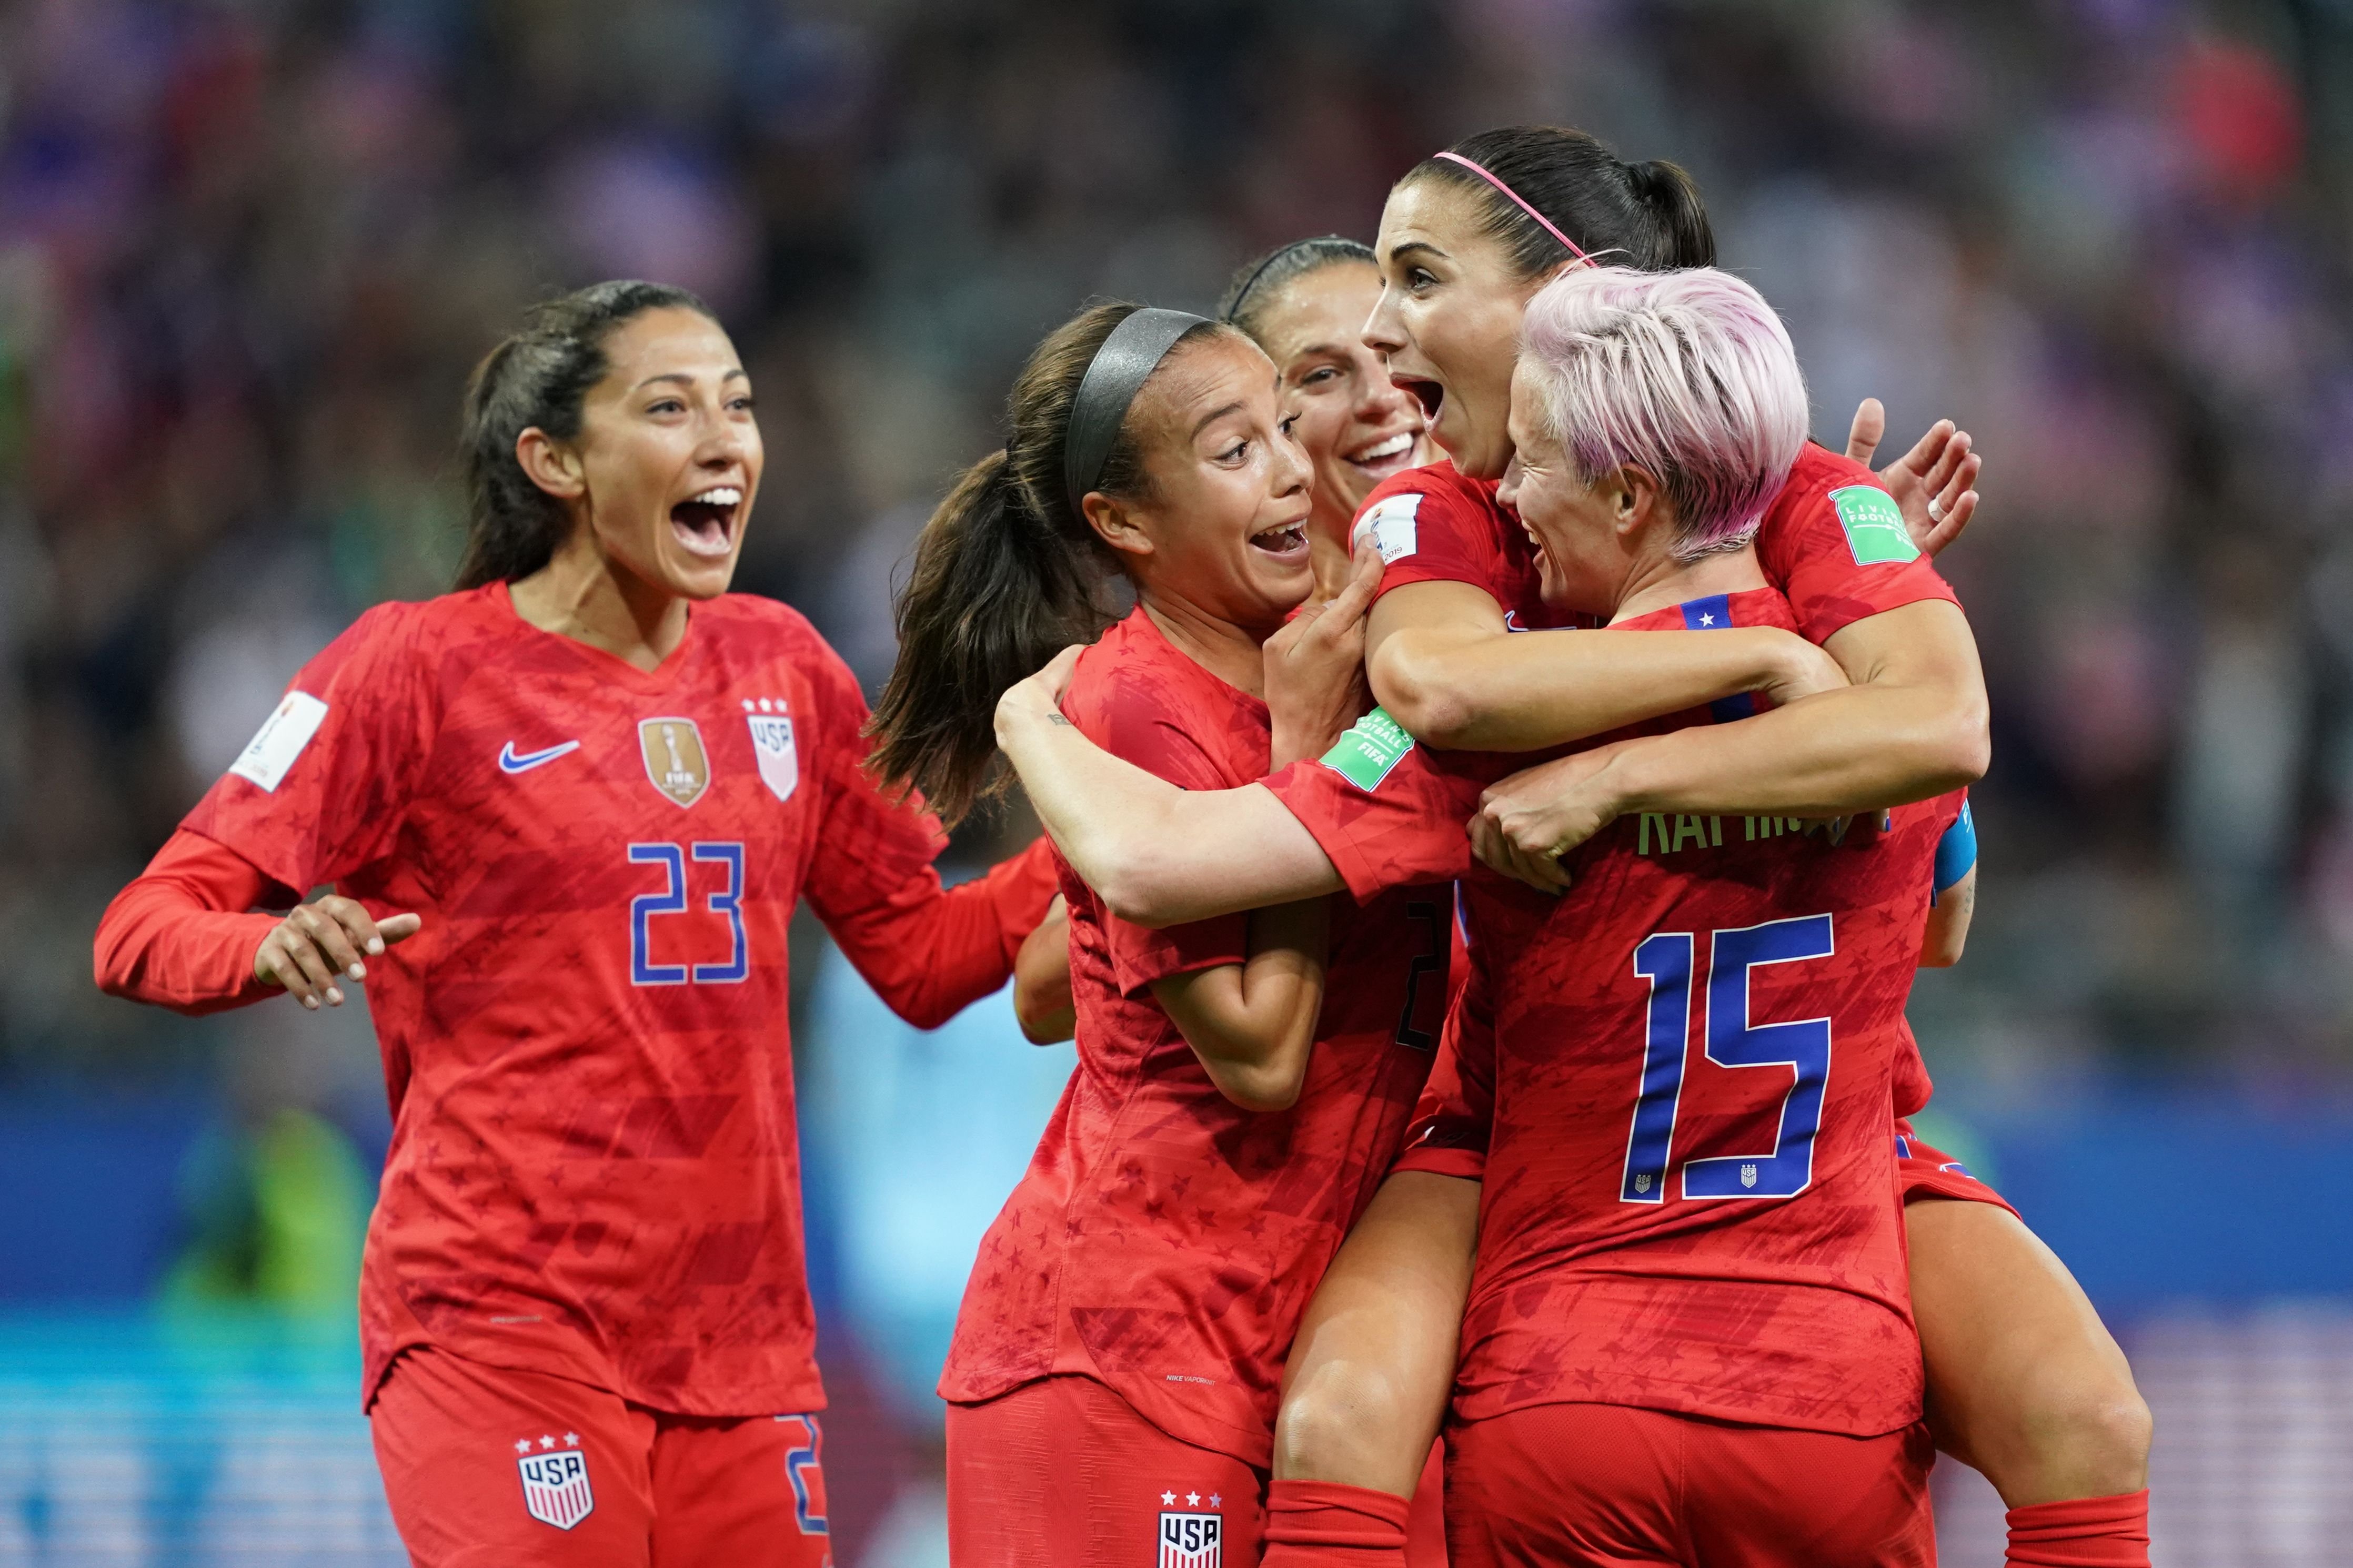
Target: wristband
x: 1957, y: 852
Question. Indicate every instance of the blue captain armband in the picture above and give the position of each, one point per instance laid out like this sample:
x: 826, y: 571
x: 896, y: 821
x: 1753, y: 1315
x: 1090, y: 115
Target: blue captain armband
x: 1957, y: 852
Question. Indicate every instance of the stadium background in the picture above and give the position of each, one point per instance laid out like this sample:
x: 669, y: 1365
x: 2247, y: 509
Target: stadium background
x: 248, y: 250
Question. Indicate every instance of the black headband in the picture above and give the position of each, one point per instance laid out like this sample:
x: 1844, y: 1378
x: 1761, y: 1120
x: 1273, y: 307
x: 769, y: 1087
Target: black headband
x: 1118, y: 372
x: 1233, y: 312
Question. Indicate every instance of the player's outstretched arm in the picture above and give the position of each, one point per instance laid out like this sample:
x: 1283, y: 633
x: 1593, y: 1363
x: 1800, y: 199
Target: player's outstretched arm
x: 1913, y: 725
x: 1443, y: 665
x: 1252, y: 1024
x: 1374, y: 1362
x: 1158, y: 855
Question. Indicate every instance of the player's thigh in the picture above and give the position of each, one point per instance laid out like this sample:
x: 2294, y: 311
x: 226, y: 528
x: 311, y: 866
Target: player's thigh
x: 1594, y: 1485
x: 489, y: 1467
x: 1373, y: 1362
x: 1063, y: 1473
x: 743, y: 1490
x: 1762, y: 1496
x: 2024, y: 1381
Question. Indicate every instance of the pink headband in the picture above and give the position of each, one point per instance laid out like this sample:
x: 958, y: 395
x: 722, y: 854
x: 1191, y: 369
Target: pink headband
x: 1574, y: 249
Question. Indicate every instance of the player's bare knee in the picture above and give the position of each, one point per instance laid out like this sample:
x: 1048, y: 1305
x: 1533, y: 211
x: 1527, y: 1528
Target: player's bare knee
x: 2089, y: 1439
x: 2110, y: 1434
x: 1333, y: 1426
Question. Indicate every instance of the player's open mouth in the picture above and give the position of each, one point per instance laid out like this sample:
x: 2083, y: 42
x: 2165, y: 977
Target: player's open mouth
x: 1429, y: 394
x: 1287, y: 543
x: 1384, y: 457
x: 705, y: 523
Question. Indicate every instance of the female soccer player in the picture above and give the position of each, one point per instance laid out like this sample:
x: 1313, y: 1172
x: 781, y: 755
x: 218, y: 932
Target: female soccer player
x: 568, y: 810
x: 1242, y: 1082
x: 1305, y: 304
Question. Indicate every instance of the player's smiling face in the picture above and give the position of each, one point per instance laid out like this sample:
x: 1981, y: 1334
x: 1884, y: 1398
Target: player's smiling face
x: 1449, y: 318
x: 668, y: 454
x: 1223, y: 528
x: 1357, y: 425
x: 1585, y: 551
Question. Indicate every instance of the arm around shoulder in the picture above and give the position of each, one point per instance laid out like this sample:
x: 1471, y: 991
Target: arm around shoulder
x: 1156, y: 855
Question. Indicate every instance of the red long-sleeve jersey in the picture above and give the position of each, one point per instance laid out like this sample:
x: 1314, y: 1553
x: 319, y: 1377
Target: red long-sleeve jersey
x: 594, y: 1169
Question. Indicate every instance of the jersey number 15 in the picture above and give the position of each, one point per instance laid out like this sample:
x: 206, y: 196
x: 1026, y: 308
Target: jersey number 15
x: 1665, y: 961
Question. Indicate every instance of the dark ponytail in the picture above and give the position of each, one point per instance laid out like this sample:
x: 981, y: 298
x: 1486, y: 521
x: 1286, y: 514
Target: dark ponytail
x: 1644, y: 215
x: 1007, y: 574
x: 1670, y: 197
x: 538, y: 376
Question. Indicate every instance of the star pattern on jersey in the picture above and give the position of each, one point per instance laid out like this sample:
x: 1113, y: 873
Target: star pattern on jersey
x: 547, y: 1441
x: 1168, y: 1499
x: 1192, y: 1500
x: 522, y: 1444
x: 1216, y: 1501
x: 572, y: 1439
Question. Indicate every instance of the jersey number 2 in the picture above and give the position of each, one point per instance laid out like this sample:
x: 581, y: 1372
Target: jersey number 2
x: 671, y: 901
x: 1665, y: 961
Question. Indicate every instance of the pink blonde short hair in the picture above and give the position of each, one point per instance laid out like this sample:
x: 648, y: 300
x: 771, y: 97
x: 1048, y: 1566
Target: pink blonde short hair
x: 1688, y: 375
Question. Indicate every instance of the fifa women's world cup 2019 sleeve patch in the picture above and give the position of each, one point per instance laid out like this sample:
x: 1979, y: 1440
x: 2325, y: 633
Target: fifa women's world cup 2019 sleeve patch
x: 1390, y: 523
x: 1370, y: 750
x: 1875, y: 534
x: 279, y: 741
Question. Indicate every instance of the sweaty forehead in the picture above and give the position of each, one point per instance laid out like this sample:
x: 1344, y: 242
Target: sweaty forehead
x: 1326, y: 306
x: 1202, y: 374
x: 667, y: 341
x: 1434, y: 212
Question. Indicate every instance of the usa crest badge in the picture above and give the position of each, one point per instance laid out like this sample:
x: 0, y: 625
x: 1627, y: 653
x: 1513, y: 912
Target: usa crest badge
x: 1191, y: 1539
x: 773, y: 748
x: 675, y: 759
x: 555, y: 1486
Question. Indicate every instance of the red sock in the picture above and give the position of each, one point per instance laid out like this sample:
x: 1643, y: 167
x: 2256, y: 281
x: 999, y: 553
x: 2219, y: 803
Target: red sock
x: 2082, y: 1532
x: 1323, y: 1524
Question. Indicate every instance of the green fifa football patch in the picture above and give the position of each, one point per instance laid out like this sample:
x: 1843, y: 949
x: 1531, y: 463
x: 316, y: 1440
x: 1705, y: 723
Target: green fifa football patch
x: 1874, y: 527
x: 1364, y: 755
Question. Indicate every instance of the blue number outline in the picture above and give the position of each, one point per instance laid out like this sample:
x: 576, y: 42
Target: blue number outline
x: 1802, y: 1045
x: 670, y: 900
x: 801, y: 1458
x: 1665, y: 961
x: 728, y: 901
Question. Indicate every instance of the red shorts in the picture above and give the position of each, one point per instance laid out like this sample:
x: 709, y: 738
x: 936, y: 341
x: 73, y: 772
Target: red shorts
x: 487, y: 1467
x: 1063, y: 1473
x: 1608, y: 1485
x: 1926, y: 1171
x: 1425, y: 1519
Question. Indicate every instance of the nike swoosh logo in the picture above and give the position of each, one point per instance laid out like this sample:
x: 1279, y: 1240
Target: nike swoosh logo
x: 512, y: 762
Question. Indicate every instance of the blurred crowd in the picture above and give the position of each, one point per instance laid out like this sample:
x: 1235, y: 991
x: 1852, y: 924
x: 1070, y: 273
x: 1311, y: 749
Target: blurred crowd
x: 250, y: 249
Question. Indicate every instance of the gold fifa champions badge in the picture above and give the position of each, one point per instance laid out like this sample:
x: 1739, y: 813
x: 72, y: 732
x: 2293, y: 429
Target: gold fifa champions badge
x: 675, y: 759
